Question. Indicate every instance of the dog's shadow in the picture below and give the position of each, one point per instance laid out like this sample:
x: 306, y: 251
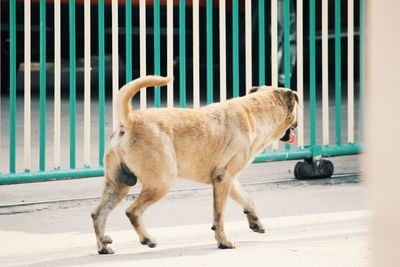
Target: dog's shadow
x: 195, y: 250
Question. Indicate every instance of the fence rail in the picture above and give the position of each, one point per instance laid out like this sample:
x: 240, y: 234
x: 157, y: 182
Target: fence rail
x: 215, y: 50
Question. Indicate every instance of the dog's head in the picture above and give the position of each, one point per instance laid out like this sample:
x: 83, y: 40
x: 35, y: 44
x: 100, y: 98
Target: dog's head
x: 289, y: 100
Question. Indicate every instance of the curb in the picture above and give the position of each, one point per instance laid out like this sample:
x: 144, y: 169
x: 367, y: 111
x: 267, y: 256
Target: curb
x: 28, y: 207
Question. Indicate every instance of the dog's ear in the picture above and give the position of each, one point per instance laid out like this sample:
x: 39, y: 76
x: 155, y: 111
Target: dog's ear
x: 288, y: 97
x: 292, y: 98
x: 292, y: 95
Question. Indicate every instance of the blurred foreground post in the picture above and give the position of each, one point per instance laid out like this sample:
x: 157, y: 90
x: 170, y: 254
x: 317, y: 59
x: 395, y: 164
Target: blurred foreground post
x: 382, y: 125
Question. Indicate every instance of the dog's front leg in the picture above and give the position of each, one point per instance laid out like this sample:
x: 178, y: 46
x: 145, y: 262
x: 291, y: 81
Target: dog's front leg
x: 221, y: 191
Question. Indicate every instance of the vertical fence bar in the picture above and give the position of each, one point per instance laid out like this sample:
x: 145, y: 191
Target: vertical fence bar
x: 274, y: 50
x: 196, y: 56
x: 42, y: 162
x: 261, y: 42
x: 286, y: 38
x: 157, y: 100
x: 235, y: 39
x: 101, y: 81
x: 313, y: 99
x: 27, y: 86
x: 350, y: 71
x: 86, y: 122
x: 300, y: 82
x: 338, y: 74
x: 274, y: 42
x: 72, y: 86
x: 182, y: 54
x: 222, y: 50
x: 170, y: 52
x: 128, y: 40
x: 286, y: 53
x: 57, y: 85
x: 325, y: 77
x: 13, y: 96
x: 115, y: 57
x: 142, y: 27
x: 210, y: 66
x: 362, y: 67
x: 249, y: 71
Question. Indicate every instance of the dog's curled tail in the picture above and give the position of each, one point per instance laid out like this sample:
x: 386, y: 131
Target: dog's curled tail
x: 129, y: 90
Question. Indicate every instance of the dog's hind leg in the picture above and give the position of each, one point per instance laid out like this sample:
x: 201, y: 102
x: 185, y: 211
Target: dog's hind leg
x: 113, y: 193
x: 239, y: 194
x: 112, y: 196
x: 148, y: 196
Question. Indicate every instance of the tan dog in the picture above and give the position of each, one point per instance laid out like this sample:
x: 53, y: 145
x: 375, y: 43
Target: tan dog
x: 211, y: 145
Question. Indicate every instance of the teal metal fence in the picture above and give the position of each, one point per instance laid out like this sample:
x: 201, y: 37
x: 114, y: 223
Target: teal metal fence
x: 204, y: 44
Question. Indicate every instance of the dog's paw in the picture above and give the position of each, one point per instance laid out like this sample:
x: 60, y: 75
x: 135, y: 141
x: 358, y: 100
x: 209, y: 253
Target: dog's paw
x: 148, y: 242
x: 257, y: 227
x: 106, y: 240
x: 227, y: 244
x: 255, y: 223
x: 106, y: 250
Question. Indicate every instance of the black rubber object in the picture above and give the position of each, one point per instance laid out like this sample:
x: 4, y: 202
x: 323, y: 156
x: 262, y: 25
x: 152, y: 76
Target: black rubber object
x: 313, y: 169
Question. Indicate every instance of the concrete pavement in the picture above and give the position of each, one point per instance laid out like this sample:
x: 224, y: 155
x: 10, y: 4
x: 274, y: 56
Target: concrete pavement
x: 324, y: 239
